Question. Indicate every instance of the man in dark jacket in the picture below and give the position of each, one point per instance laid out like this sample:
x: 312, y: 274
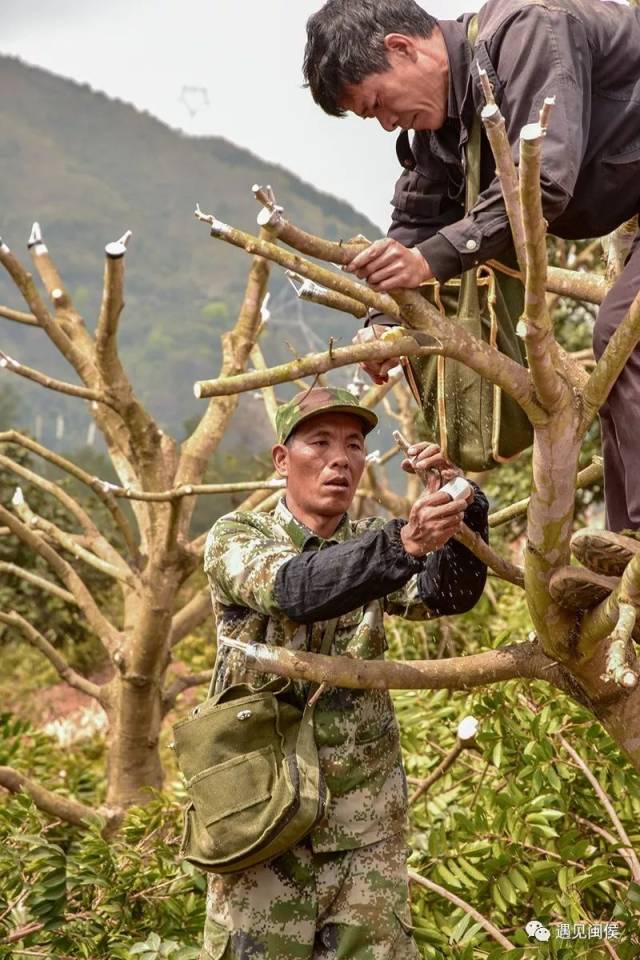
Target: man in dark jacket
x: 390, y: 60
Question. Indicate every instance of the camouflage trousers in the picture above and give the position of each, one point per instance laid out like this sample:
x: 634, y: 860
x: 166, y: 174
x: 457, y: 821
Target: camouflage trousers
x: 349, y: 905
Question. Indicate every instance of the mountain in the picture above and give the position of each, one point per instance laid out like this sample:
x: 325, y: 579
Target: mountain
x: 88, y: 168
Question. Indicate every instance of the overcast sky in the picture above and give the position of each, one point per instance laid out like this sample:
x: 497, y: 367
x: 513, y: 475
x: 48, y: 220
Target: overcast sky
x: 245, y: 54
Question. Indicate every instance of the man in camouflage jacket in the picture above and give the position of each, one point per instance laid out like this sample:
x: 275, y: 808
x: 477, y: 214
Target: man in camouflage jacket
x: 277, y: 578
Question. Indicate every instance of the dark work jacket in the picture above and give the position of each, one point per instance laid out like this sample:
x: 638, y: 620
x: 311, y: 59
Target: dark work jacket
x: 586, y: 53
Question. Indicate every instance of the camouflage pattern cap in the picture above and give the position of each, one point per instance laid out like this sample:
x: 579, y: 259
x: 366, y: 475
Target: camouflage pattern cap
x: 309, y: 403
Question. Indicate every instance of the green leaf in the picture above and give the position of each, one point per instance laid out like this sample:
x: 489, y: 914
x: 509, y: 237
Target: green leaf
x: 507, y: 890
x: 458, y: 931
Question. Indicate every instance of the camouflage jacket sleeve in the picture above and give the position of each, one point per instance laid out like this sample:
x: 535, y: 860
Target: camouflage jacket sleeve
x: 242, y: 560
x: 451, y: 579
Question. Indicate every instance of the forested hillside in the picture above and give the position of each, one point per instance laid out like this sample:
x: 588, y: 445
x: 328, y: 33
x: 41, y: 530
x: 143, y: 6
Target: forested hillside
x: 88, y: 168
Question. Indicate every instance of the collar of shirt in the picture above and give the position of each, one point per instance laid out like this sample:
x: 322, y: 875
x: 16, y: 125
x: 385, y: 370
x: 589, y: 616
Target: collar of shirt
x: 460, y: 105
x: 302, y: 536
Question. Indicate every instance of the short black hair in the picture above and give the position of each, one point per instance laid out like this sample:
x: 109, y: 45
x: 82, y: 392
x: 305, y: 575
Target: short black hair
x: 345, y: 44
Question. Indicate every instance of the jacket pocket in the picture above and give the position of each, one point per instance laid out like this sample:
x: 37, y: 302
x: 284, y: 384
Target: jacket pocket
x: 214, y: 791
x: 216, y: 940
x: 419, y: 197
x: 630, y: 156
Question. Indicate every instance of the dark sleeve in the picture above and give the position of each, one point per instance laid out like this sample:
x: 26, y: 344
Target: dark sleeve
x: 322, y: 584
x: 452, y: 579
x: 421, y: 203
x: 542, y: 52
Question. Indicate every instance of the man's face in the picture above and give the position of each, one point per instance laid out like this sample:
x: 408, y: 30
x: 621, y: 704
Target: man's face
x: 412, y: 94
x: 323, y: 462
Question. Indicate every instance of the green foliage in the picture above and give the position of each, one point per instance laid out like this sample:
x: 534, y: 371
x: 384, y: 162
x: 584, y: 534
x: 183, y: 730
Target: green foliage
x: 512, y: 826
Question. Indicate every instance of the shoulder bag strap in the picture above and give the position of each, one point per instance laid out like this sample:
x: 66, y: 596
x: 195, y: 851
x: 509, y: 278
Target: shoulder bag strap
x: 325, y: 648
x: 468, y: 303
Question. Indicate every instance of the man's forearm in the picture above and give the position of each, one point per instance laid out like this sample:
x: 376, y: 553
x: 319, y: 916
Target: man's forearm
x: 453, y: 578
x: 322, y: 584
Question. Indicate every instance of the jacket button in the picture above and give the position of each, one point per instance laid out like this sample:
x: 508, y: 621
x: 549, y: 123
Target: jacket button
x: 243, y: 715
x: 471, y: 245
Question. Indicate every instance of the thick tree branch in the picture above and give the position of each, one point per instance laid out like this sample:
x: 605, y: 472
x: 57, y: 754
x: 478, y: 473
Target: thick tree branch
x: 576, y: 284
x: 78, y: 359
x: 66, y: 314
x: 496, y: 131
x: 457, y: 673
x: 63, y: 808
x: 66, y: 672
x: 144, y: 445
x: 611, y: 363
x: 398, y: 341
x: 59, y: 386
x: 291, y: 261
x: 385, y: 348
x: 13, y: 570
x: 105, y: 630
x: 272, y: 216
x: 110, y: 309
x: 476, y: 354
x: 538, y: 333
x: 459, y: 902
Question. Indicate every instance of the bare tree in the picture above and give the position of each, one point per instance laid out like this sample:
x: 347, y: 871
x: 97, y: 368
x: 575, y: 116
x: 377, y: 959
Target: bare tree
x: 161, y: 481
x: 589, y: 655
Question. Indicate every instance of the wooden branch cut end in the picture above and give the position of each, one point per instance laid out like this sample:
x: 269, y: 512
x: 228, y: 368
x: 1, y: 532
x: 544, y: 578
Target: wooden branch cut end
x: 118, y: 248
x: 486, y: 87
x: 35, y: 239
x: 545, y: 112
x: 619, y: 669
x: 531, y: 132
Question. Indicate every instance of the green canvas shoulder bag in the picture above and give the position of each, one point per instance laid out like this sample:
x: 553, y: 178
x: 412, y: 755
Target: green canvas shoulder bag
x: 475, y: 424
x: 250, y: 761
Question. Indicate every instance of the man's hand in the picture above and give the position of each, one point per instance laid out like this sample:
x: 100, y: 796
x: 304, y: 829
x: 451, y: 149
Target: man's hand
x: 426, y: 456
x: 388, y: 265
x: 378, y: 370
x: 433, y: 520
